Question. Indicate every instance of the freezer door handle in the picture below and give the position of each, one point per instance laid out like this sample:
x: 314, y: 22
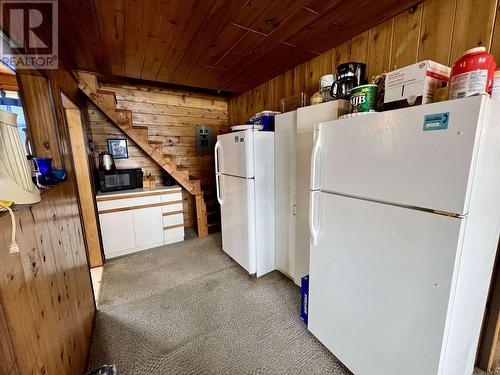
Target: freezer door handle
x: 217, y: 188
x: 216, y: 151
x: 314, y: 156
x: 312, y: 229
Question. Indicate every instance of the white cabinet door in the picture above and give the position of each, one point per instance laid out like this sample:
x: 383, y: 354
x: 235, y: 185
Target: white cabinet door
x: 118, y: 234
x: 148, y: 223
x: 285, y: 151
x: 381, y: 279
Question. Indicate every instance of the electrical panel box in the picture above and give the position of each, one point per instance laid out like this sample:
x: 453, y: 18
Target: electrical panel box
x: 204, y: 139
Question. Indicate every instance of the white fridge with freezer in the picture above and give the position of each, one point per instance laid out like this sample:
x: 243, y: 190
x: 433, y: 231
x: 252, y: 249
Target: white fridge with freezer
x: 405, y: 221
x: 244, y: 164
x: 293, y: 141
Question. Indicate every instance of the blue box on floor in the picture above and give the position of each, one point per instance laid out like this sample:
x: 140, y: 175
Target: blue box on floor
x: 304, y: 287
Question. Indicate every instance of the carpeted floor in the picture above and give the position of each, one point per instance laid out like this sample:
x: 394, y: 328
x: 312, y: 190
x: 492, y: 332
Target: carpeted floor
x: 190, y: 309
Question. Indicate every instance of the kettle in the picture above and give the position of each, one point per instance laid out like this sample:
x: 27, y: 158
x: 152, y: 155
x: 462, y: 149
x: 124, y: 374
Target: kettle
x: 349, y: 75
x: 106, y: 162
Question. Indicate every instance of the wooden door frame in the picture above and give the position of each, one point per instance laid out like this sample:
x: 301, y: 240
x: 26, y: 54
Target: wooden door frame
x: 78, y: 141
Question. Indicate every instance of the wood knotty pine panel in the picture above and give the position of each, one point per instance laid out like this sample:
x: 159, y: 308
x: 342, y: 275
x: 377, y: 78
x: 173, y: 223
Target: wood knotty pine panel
x: 439, y: 30
x: 40, y: 117
x: 171, y: 117
x: 233, y: 43
x: 45, y: 291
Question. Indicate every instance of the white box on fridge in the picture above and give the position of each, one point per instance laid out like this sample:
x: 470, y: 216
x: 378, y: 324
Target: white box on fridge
x: 414, y: 84
x: 293, y: 144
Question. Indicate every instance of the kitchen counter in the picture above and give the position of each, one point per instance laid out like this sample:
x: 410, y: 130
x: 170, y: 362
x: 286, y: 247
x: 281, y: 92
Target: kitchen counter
x: 139, y: 219
x: 157, y: 190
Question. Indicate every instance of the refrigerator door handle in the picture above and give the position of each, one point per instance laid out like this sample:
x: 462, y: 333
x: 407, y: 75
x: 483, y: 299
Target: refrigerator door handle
x: 216, y: 151
x: 312, y: 229
x: 217, y: 188
x: 217, y: 171
x: 314, y: 155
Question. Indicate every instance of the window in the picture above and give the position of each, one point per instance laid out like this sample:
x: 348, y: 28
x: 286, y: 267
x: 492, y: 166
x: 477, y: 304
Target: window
x: 9, y: 101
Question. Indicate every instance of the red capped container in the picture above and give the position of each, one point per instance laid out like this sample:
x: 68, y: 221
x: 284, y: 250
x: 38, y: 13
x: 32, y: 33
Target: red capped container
x: 472, y: 74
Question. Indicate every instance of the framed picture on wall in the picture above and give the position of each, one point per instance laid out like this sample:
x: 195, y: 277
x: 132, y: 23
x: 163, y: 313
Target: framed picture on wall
x: 118, y: 148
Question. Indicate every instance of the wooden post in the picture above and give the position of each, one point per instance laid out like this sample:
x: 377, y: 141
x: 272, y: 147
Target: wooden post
x: 201, y: 216
x: 84, y: 182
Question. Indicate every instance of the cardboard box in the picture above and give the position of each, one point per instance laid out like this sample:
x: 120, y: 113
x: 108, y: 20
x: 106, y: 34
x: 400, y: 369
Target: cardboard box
x: 414, y: 84
x: 304, y: 306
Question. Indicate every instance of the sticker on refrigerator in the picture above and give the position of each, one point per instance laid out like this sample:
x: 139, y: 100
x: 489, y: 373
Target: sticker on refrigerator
x: 436, y: 121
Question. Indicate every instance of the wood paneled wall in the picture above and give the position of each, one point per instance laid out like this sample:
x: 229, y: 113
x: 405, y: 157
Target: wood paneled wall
x: 38, y: 107
x: 439, y: 30
x: 46, y: 300
x: 171, y: 117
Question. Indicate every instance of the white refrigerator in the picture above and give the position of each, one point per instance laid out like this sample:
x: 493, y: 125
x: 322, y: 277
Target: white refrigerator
x: 244, y: 165
x: 405, y: 221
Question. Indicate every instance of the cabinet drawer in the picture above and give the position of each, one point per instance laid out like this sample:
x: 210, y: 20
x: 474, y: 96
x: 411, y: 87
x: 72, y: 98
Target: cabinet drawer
x: 172, y: 207
x: 128, y: 202
x: 172, y: 196
x: 174, y: 235
x: 175, y: 219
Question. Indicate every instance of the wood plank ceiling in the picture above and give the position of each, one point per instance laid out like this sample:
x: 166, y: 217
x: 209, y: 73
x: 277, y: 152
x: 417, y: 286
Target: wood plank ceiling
x: 230, y: 45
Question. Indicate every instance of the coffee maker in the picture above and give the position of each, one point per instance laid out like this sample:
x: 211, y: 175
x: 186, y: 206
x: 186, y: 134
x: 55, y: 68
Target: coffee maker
x: 349, y: 75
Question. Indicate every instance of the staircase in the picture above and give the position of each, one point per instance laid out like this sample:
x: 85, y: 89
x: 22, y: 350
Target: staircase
x: 213, y: 208
x: 106, y: 102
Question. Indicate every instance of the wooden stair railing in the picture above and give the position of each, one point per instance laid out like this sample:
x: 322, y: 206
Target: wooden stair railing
x: 106, y: 102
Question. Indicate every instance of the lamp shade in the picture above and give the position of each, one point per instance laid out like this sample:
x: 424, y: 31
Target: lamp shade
x: 16, y: 184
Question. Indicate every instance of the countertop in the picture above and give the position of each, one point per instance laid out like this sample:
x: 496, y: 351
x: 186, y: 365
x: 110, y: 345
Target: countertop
x: 158, y: 189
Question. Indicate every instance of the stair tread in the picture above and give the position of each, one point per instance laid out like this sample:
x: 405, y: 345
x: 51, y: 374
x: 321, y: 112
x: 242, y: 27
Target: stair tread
x: 99, y: 91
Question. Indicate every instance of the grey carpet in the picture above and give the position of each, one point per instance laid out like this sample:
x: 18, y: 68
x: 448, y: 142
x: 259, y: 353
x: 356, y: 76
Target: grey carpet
x: 190, y: 309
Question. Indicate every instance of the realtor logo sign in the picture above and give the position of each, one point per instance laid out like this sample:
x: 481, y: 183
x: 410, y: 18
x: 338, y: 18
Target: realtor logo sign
x: 30, y: 34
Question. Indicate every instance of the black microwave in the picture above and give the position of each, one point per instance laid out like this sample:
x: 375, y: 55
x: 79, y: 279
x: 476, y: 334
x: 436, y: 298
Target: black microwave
x: 120, y: 179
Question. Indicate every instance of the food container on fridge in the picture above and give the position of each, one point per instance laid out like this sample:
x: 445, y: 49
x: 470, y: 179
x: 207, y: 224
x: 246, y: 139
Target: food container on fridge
x: 472, y: 74
x: 266, y: 119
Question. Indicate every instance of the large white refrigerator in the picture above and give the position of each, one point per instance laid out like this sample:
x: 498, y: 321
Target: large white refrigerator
x: 405, y: 221
x: 244, y: 164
